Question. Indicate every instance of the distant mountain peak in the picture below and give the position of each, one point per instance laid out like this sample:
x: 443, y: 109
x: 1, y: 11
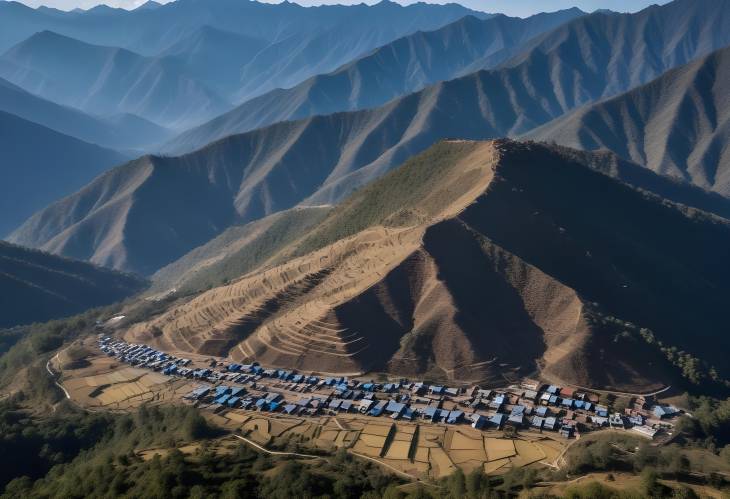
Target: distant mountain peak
x: 149, y: 5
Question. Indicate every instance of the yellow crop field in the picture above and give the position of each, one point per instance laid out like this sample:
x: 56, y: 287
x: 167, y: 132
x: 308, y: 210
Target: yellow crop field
x: 527, y: 453
x: 372, y: 440
x: 280, y: 426
x: 237, y: 416
x: 421, y: 455
x: 375, y: 429
x: 440, y: 462
x: 398, y: 450
x: 461, y: 441
x: 462, y: 456
x: 362, y: 448
x: 493, y: 466
x: 499, y: 448
x: 260, y: 425
x: 551, y: 448
x: 329, y: 435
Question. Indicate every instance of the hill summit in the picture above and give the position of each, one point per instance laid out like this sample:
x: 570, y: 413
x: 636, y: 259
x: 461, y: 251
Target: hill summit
x: 479, y: 261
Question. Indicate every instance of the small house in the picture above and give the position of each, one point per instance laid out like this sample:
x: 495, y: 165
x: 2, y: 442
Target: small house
x: 454, y: 417
x: 429, y: 413
x: 616, y: 420
x: 549, y: 423
x: 530, y: 395
x: 664, y: 411
x: 477, y: 421
x: 378, y: 409
x: 497, y: 402
x: 365, y: 405
x: 497, y: 420
x: 566, y: 431
x: 291, y: 409
x: 646, y: 431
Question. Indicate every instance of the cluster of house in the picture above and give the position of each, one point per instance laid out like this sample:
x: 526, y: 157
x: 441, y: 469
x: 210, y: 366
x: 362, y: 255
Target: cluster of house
x: 143, y: 356
x: 250, y: 387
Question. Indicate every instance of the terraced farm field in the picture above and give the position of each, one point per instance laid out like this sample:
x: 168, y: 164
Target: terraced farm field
x: 418, y: 449
x: 104, y: 383
x: 421, y: 450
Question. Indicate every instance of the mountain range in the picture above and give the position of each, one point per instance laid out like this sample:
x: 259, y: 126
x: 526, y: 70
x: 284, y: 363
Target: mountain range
x: 584, y: 60
x: 392, y: 70
x: 150, y: 31
x: 678, y: 125
x: 32, y: 177
x: 444, y: 265
x: 322, y: 159
x: 121, y: 132
x: 419, y: 190
x: 36, y: 286
x: 206, y: 57
x: 107, y: 81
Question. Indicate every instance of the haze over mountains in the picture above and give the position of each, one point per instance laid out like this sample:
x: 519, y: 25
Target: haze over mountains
x: 208, y: 56
x: 120, y: 132
x: 678, y: 125
x: 320, y: 160
x: 589, y: 58
x: 31, y: 177
x: 395, y: 69
x: 108, y: 81
x: 150, y: 31
x: 36, y: 286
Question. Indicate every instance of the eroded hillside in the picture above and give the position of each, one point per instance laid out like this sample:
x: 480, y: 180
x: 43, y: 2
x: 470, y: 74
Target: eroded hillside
x: 473, y: 261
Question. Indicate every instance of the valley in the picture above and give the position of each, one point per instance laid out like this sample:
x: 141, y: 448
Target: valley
x: 386, y: 250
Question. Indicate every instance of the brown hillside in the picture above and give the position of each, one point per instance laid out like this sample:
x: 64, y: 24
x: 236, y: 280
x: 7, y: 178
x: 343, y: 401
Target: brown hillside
x: 476, y: 261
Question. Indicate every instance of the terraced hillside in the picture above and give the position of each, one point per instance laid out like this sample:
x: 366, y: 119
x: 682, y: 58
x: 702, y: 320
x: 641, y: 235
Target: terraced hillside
x: 476, y: 261
x: 36, y: 286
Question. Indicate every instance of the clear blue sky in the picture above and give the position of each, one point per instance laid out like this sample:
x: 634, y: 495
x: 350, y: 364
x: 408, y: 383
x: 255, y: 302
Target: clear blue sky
x: 511, y: 7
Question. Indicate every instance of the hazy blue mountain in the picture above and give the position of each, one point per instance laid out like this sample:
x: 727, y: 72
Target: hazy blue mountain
x: 300, y: 42
x: 107, y: 80
x: 609, y: 53
x: 36, y: 286
x: 216, y: 57
x: 294, y: 58
x: 40, y: 166
x: 121, y: 132
x: 395, y: 69
x: 320, y: 160
x: 679, y: 124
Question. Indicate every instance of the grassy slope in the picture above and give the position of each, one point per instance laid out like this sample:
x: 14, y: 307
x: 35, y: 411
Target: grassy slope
x: 237, y: 251
x: 406, y: 196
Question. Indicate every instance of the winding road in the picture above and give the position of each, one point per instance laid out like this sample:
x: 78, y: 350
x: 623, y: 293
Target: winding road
x: 53, y: 376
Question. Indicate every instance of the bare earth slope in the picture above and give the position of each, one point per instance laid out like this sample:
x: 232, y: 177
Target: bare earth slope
x: 475, y: 261
x: 679, y: 124
x: 36, y: 286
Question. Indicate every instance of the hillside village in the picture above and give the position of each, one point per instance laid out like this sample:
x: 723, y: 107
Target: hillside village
x: 528, y: 405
